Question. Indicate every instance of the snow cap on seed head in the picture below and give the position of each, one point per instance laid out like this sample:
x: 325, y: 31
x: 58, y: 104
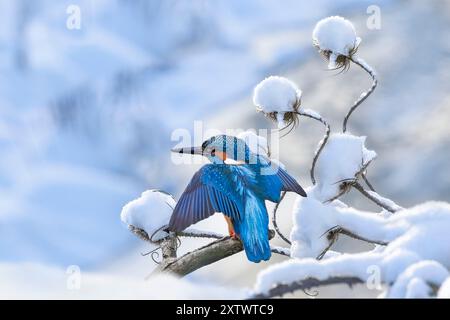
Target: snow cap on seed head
x: 278, y: 98
x: 336, y: 39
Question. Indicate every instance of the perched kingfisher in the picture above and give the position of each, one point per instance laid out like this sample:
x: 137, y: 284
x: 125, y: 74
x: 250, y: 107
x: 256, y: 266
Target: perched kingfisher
x: 236, y: 190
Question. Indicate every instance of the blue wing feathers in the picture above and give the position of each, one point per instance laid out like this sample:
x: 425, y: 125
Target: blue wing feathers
x: 210, y: 190
x: 237, y: 191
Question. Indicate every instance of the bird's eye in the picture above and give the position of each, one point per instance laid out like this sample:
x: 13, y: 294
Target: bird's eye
x: 213, y: 152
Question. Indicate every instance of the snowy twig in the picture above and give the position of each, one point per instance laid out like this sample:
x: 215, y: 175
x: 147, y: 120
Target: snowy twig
x: 189, y: 233
x: 282, y: 289
x: 358, y: 237
x: 313, y: 115
x: 365, y: 94
x: 280, y: 250
x: 194, y: 233
x: 384, y: 203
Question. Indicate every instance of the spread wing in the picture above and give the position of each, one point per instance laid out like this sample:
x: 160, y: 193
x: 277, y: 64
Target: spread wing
x: 214, y: 188
x: 274, y: 179
x: 289, y: 183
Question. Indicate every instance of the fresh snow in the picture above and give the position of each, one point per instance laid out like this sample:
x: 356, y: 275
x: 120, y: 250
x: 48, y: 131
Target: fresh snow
x: 276, y: 94
x: 342, y: 158
x: 151, y: 211
x: 337, y: 35
x: 444, y: 290
x: 416, y: 253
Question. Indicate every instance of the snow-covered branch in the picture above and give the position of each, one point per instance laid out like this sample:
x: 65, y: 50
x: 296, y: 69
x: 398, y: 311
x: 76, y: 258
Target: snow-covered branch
x: 307, y: 284
x: 384, y: 203
x: 411, y: 261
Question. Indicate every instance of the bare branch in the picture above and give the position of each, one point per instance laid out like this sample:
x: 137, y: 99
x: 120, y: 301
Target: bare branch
x: 282, y: 289
x: 365, y: 94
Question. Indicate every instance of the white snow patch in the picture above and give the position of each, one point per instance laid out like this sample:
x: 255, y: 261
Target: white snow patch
x: 337, y: 35
x: 413, y: 282
x: 444, y: 290
x: 416, y: 253
x: 151, y: 211
x: 342, y: 158
x: 276, y: 94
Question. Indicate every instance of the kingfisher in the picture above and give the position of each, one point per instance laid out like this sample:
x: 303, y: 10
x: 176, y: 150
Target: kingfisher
x: 238, y: 191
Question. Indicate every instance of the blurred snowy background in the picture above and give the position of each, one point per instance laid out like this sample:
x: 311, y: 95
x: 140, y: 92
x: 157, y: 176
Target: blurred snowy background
x: 86, y: 118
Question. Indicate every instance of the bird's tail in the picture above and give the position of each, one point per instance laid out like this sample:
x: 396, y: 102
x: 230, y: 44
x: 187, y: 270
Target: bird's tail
x: 253, y: 230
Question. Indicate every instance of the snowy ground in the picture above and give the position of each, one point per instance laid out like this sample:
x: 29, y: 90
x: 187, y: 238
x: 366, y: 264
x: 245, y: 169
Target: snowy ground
x: 86, y: 116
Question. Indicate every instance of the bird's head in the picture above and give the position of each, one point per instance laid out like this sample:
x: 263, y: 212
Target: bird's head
x: 219, y: 148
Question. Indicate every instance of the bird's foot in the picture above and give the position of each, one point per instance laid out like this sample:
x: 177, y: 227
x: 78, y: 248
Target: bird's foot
x: 234, y: 236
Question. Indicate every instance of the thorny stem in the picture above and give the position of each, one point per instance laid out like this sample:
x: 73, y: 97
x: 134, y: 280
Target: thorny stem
x: 365, y: 94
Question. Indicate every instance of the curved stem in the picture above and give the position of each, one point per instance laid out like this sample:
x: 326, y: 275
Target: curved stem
x: 376, y: 199
x: 322, y: 143
x: 364, y: 176
x: 365, y: 94
x: 274, y: 219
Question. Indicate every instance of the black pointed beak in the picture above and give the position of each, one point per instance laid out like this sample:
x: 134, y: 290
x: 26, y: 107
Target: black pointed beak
x: 189, y: 150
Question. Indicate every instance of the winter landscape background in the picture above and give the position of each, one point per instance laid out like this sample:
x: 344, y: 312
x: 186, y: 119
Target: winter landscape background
x: 86, y: 118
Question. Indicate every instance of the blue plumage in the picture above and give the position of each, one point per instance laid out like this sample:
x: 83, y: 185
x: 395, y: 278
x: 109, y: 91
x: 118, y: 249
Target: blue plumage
x: 238, y: 191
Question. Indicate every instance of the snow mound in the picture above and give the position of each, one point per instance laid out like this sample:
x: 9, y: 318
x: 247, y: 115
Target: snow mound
x: 444, y: 291
x: 414, y: 260
x: 343, y: 158
x: 337, y: 35
x: 151, y: 211
x: 276, y: 94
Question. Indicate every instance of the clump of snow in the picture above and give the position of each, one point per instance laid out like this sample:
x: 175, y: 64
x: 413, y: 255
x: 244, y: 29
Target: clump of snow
x: 337, y: 35
x: 415, y: 254
x: 151, y: 211
x: 277, y: 95
x: 444, y: 290
x: 414, y: 281
x: 257, y: 144
x: 343, y: 157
